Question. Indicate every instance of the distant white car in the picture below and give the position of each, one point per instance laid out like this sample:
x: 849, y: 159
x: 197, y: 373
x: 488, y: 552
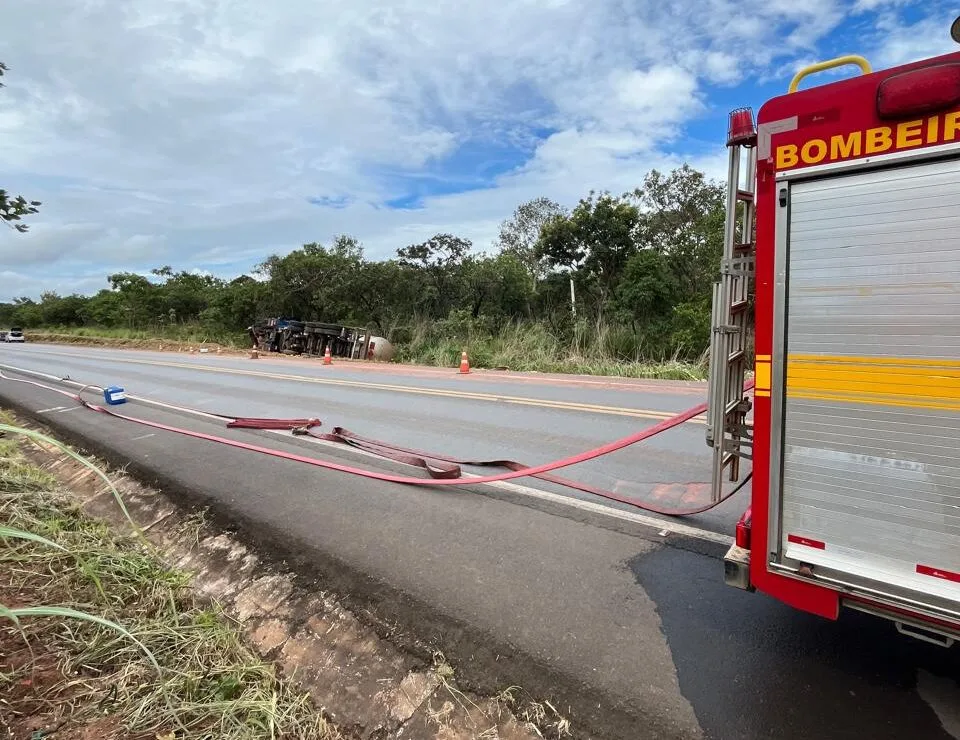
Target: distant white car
x: 15, y: 335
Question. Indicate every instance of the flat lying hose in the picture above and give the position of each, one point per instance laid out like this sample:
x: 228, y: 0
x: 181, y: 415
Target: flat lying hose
x: 448, y: 475
x: 429, y: 462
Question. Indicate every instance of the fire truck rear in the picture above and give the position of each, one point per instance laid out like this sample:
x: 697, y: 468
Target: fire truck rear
x: 843, y: 241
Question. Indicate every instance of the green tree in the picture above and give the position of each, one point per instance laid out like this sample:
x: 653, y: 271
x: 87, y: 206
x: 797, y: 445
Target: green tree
x: 438, y: 260
x: 105, y: 309
x: 595, y: 240
x: 140, y: 300
x: 184, y: 296
x: 496, y: 286
x: 520, y: 233
x: 690, y: 327
x: 648, y: 289
x: 313, y: 283
x: 385, y: 294
x: 645, y: 299
x: 62, y: 311
x: 26, y: 312
x: 682, y: 216
x: 234, y: 305
x: 14, y: 207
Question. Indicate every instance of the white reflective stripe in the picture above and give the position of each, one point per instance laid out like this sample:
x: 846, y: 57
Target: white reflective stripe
x: 765, y: 132
x: 875, y: 568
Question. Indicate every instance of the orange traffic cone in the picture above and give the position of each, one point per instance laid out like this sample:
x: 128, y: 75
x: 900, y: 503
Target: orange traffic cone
x: 327, y: 359
x: 464, y: 363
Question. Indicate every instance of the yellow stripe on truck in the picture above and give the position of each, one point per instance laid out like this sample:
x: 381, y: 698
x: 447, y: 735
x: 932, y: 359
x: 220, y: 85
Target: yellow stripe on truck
x: 888, y: 381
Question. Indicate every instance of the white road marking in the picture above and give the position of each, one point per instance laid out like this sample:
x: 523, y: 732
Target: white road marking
x: 174, y: 407
x: 69, y: 408
x: 664, y: 526
x: 142, y: 436
x: 54, y: 408
x: 48, y: 376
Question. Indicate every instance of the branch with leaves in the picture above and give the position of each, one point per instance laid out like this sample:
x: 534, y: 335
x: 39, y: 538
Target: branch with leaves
x: 13, y: 208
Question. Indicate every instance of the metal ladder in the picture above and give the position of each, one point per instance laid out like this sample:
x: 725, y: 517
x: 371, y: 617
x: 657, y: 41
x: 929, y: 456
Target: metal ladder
x: 727, y: 405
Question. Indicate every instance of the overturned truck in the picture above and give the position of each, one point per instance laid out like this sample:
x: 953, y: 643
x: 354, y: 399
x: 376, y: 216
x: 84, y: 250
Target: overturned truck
x: 312, y: 338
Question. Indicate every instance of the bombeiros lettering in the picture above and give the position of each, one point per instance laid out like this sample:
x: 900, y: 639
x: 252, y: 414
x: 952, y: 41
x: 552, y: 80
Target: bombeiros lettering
x: 939, y: 129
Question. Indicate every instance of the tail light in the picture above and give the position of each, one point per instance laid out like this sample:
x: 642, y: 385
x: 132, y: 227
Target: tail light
x: 919, y: 91
x: 742, y: 537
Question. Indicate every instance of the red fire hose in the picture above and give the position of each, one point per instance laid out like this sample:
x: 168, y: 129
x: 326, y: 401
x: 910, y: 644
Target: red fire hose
x: 447, y: 474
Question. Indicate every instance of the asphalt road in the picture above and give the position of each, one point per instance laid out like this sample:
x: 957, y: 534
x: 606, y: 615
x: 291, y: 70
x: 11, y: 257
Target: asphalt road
x: 627, y: 625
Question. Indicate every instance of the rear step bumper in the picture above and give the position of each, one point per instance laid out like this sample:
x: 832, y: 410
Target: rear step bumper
x: 919, y: 626
x: 736, y: 573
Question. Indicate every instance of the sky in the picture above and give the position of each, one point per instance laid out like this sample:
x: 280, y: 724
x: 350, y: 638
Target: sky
x: 210, y: 134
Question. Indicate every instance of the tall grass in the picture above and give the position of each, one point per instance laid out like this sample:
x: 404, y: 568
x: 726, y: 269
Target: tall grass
x: 125, y: 628
x: 591, y: 349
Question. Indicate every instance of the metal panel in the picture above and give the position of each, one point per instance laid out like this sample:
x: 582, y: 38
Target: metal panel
x: 871, y: 411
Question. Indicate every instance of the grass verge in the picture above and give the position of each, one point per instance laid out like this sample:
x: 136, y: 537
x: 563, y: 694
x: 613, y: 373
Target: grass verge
x: 597, y: 349
x: 79, y: 679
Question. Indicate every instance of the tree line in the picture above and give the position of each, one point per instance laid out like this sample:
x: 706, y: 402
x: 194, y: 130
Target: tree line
x: 641, y: 263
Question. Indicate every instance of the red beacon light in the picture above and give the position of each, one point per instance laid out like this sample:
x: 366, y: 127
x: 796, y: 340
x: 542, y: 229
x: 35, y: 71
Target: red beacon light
x: 741, y: 131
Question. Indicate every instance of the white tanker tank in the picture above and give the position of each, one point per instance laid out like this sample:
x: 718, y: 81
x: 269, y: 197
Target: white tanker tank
x: 380, y: 349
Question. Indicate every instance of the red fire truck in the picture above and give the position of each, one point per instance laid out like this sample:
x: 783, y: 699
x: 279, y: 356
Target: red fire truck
x: 843, y: 241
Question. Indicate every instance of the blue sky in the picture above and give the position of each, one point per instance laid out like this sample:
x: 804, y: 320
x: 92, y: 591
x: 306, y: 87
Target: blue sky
x: 208, y: 134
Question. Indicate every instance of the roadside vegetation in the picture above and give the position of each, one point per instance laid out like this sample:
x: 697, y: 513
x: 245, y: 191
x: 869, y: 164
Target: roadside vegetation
x: 99, y: 639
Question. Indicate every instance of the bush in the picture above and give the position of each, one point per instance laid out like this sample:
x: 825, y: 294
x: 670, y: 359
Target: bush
x: 691, y: 329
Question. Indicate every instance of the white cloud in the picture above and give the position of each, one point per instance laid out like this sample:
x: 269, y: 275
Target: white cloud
x: 897, y: 42
x: 862, y: 6
x: 195, y: 132
x: 30, y: 285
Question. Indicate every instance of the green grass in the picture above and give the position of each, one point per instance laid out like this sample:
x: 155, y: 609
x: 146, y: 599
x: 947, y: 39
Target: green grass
x: 596, y: 350
x: 172, y: 666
